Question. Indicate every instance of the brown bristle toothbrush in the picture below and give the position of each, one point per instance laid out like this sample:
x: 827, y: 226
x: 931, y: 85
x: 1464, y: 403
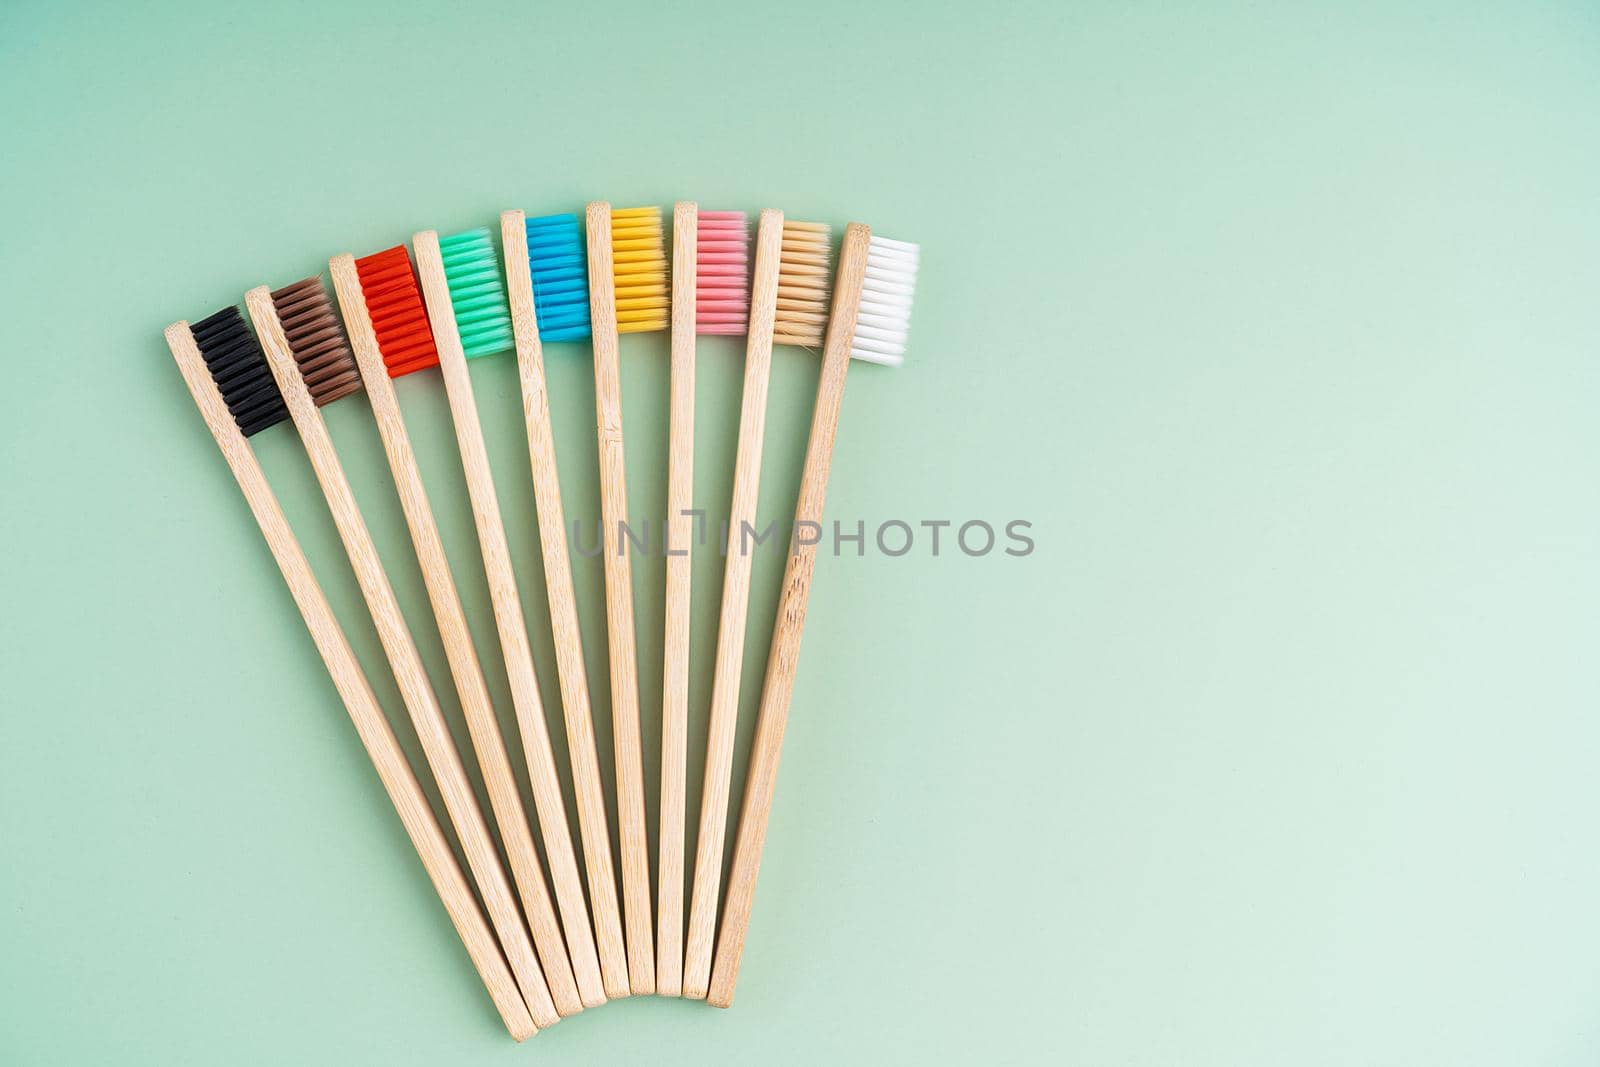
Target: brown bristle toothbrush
x: 466, y: 302
x: 389, y: 334
x: 401, y: 651
x: 236, y: 396
x: 628, y: 294
x: 790, y: 284
x: 871, y: 313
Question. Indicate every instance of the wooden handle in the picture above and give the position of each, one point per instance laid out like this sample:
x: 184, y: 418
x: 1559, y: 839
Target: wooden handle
x: 619, y: 604
x: 587, y: 786
x: 371, y: 725
x: 484, y: 727
x: 735, y: 608
x: 784, y: 657
x: 507, y: 602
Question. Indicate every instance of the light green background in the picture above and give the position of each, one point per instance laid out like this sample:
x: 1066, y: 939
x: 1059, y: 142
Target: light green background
x: 1276, y: 321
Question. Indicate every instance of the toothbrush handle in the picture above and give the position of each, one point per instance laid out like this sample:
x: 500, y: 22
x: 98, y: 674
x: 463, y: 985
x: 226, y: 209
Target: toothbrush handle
x: 778, y: 689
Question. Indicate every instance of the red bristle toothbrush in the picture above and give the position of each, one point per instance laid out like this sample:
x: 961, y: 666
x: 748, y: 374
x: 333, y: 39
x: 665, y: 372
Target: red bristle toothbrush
x: 627, y: 293
x: 389, y: 333
x: 236, y: 395
x: 401, y: 651
x: 545, y: 256
x: 710, y: 295
x: 466, y: 303
x: 790, y: 263
x: 871, y: 313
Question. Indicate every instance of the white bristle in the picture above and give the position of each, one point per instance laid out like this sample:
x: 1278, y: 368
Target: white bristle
x: 885, y: 316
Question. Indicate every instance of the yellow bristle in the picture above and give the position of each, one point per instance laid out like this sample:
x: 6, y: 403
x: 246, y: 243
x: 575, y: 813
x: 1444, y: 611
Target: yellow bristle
x: 639, y: 269
x: 803, y: 277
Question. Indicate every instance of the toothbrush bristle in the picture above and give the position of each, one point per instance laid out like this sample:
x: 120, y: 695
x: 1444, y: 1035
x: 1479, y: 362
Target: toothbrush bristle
x: 639, y: 269
x: 394, y: 303
x: 803, y: 280
x: 886, y: 294
x: 239, y: 368
x: 560, y: 270
x: 316, y: 339
x: 722, y: 273
x: 477, y: 294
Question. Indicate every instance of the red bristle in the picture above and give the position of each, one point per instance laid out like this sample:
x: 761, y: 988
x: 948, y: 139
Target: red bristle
x: 389, y: 285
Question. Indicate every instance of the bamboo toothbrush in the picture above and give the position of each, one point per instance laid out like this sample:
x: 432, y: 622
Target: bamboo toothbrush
x: 871, y: 314
x: 711, y: 295
x: 627, y: 294
x: 549, y: 298
x: 415, y: 689
x: 236, y: 396
x: 791, y: 265
x: 466, y: 304
x: 404, y: 342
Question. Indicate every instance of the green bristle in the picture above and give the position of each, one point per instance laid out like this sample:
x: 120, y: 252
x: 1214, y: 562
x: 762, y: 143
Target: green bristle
x: 477, y: 293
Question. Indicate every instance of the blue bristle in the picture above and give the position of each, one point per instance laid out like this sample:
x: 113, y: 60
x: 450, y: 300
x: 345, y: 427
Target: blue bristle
x: 560, y: 271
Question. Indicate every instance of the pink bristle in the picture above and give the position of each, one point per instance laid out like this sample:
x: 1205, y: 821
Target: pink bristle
x: 722, y: 273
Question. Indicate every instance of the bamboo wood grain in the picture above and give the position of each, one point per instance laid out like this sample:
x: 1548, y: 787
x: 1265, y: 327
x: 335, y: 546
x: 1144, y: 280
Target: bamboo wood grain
x: 405, y: 793
x: 784, y: 657
x: 504, y: 797
x: 401, y: 651
x: 587, y: 785
x: 619, y: 604
x: 675, y: 657
x: 735, y: 609
x: 508, y: 616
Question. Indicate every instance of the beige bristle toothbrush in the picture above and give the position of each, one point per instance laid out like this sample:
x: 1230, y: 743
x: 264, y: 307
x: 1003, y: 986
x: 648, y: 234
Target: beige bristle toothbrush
x: 791, y: 273
x: 627, y: 293
x: 545, y: 256
x: 466, y: 303
x: 401, y: 651
x: 871, y: 314
x: 404, y: 342
x: 231, y: 389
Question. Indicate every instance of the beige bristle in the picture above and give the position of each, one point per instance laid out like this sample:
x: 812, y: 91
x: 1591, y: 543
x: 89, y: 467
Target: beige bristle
x: 639, y: 269
x: 803, y: 284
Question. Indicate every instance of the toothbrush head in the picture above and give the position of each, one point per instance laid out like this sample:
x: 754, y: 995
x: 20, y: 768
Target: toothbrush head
x: 316, y: 340
x: 722, y: 273
x: 639, y: 269
x: 560, y: 269
x: 394, y: 303
x: 477, y: 294
x: 886, y: 292
x: 239, y: 367
x: 803, y: 280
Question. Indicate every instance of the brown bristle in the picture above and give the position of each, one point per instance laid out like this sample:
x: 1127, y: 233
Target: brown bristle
x: 317, y: 340
x: 802, y: 284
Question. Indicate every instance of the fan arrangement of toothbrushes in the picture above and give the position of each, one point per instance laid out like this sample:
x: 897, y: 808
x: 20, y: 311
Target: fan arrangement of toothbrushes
x: 546, y: 940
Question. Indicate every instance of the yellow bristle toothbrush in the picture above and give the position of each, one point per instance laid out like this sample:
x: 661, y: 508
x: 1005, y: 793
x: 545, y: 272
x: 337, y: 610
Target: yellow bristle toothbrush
x: 236, y: 396
x: 466, y: 303
x: 791, y: 263
x: 871, y: 313
x: 627, y: 294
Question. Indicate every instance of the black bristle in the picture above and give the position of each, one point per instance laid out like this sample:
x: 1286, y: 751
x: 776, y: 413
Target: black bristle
x: 240, y: 370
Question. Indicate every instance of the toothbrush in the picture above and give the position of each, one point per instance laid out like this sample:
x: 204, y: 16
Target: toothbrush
x: 627, y: 294
x: 791, y: 264
x: 549, y: 298
x: 466, y: 304
x: 415, y: 689
x: 871, y: 314
x: 235, y: 395
x: 389, y: 334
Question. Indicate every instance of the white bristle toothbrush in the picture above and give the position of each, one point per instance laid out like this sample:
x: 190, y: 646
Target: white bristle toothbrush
x: 627, y: 293
x: 790, y: 261
x: 466, y: 302
x: 226, y: 389
x: 871, y: 314
x: 401, y: 651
